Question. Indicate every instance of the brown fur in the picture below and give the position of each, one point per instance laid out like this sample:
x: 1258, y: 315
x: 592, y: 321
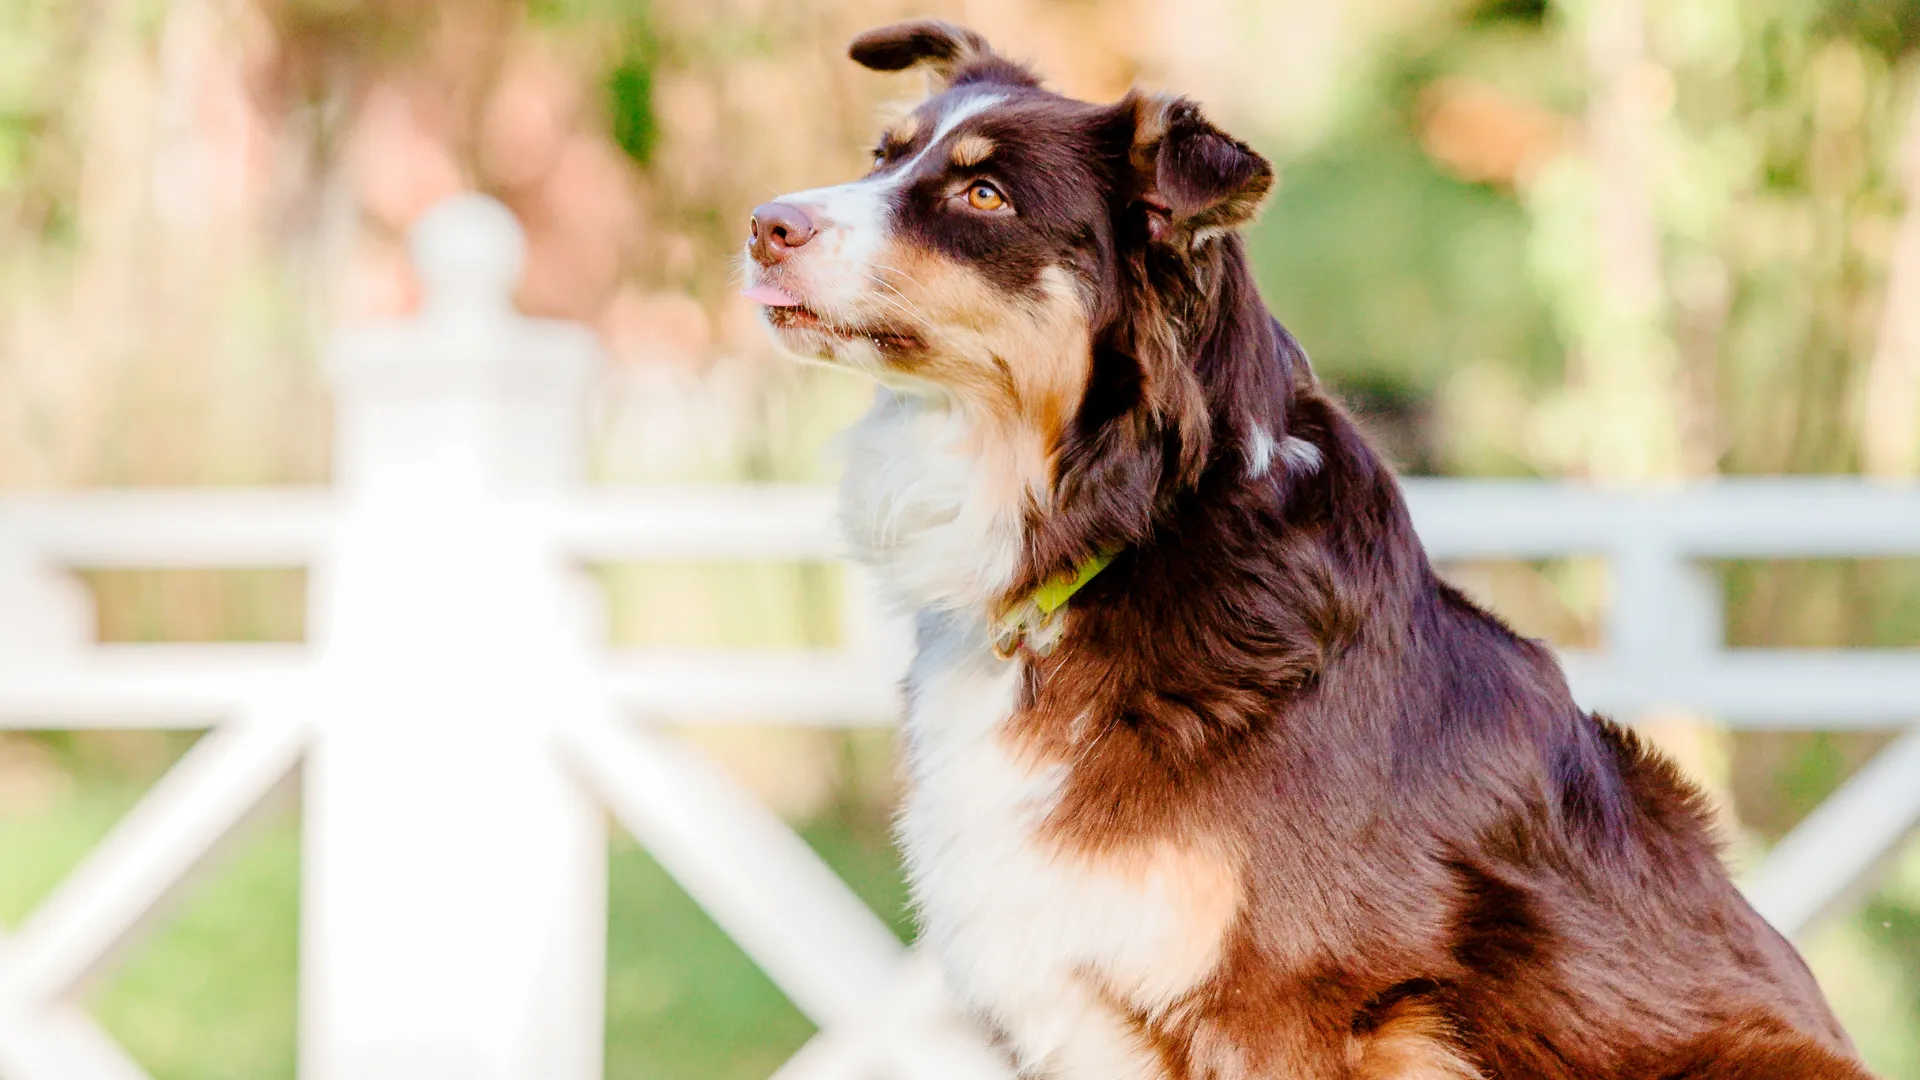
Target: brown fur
x: 1413, y: 1041
x: 1404, y: 851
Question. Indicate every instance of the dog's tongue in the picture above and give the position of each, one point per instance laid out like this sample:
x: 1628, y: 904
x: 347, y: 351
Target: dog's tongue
x: 771, y: 295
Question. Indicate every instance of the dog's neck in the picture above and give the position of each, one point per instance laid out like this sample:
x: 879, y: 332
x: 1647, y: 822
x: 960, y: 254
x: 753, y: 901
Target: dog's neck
x: 958, y: 512
x: 934, y: 503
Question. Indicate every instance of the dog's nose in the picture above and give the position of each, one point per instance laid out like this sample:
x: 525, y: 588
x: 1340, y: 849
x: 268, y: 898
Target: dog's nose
x: 777, y: 229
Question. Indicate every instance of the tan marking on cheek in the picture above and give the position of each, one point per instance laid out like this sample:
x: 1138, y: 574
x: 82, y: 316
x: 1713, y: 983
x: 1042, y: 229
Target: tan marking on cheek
x: 1024, y: 358
x: 958, y: 312
x: 1054, y: 377
x: 1018, y: 364
x: 1416, y: 1043
x: 971, y: 150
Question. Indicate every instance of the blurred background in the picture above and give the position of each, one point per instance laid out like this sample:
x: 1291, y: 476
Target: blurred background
x: 1596, y: 239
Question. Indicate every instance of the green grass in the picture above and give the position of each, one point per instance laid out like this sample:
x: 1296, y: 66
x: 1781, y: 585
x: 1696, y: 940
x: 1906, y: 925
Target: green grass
x: 683, y: 1003
x: 208, y: 993
x: 211, y: 995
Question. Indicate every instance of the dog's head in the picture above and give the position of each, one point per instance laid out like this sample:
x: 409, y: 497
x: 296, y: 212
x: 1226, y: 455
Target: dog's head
x: 1063, y: 272
x: 986, y: 252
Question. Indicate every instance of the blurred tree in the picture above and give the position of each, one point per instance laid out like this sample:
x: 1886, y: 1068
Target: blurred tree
x: 1604, y: 239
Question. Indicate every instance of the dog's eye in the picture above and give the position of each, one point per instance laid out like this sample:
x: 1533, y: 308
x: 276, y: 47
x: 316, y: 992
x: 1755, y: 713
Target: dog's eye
x: 879, y: 156
x: 985, y: 197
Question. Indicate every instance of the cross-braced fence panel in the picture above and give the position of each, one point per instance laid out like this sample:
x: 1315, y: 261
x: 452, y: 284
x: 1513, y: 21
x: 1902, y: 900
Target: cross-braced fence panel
x: 453, y: 685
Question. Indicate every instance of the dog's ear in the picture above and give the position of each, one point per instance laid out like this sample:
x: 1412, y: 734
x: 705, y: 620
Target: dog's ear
x: 1192, y: 177
x: 941, y: 46
x: 944, y: 49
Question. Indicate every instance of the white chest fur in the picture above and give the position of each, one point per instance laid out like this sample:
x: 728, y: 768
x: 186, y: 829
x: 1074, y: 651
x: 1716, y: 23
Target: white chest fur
x: 1029, y: 937
x: 916, y: 506
x: 1053, y: 946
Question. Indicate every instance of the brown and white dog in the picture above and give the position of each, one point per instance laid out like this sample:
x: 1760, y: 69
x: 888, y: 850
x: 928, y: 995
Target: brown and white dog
x: 1265, y: 798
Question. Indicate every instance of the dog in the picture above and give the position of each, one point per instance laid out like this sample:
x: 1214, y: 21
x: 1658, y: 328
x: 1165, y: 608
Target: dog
x: 1210, y: 775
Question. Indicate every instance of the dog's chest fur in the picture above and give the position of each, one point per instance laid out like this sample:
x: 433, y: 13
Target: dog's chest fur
x: 1056, y: 947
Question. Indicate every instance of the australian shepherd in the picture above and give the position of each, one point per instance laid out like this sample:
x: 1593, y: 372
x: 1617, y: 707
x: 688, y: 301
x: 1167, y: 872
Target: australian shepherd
x: 1210, y: 776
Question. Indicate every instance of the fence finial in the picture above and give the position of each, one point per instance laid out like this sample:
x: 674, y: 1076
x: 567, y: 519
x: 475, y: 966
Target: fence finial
x: 468, y: 251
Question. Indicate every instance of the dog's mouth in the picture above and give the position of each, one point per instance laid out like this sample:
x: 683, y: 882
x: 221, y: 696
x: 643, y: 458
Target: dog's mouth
x: 802, y: 318
x: 788, y: 315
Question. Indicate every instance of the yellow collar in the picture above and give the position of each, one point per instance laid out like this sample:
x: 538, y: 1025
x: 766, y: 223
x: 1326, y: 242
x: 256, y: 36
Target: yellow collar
x: 1033, y: 622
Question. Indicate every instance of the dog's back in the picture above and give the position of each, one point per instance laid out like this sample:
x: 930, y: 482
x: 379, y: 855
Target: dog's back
x: 1500, y: 876
x: 1450, y: 870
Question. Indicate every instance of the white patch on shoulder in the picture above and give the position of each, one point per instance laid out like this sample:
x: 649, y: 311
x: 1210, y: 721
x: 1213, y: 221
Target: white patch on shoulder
x: 1297, y: 454
x: 1300, y: 455
x: 1260, y: 447
x: 1029, y: 935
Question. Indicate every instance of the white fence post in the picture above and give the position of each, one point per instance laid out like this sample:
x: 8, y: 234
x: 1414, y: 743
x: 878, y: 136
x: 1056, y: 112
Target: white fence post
x: 454, y: 907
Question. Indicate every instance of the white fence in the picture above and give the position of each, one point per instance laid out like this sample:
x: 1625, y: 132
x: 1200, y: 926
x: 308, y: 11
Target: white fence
x: 456, y: 727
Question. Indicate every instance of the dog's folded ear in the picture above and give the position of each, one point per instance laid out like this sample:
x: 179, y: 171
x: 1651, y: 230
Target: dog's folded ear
x: 899, y: 46
x: 1194, y: 178
x: 948, y: 51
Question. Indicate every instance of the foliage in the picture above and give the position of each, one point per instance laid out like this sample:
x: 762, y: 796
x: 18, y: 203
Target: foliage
x: 181, y: 183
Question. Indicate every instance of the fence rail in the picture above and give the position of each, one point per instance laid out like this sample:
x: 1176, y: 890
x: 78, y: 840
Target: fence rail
x: 422, y: 702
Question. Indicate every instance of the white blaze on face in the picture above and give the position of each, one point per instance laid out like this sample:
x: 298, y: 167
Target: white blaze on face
x: 842, y: 272
x: 980, y: 379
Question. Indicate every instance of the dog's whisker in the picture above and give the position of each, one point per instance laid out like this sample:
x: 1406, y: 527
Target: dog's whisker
x: 897, y: 270
x: 903, y: 301
x: 903, y: 307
